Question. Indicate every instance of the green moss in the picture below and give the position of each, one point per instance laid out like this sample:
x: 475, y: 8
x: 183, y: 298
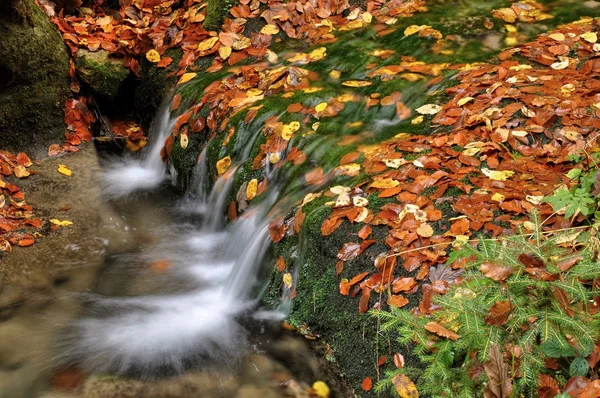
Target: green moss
x: 102, y: 73
x: 154, y: 84
x: 185, y: 160
x: 216, y: 11
x: 34, y: 80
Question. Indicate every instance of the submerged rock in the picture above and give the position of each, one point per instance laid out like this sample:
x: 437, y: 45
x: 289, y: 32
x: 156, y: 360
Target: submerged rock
x: 34, y: 77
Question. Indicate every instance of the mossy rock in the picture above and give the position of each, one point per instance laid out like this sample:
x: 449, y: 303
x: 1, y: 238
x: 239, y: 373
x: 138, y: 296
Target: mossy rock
x: 154, y: 84
x: 34, y: 78
x: 102, y: 73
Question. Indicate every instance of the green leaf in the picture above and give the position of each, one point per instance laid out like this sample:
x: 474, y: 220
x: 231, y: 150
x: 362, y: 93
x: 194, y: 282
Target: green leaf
x: 579, y: 367
x: 574, y: 173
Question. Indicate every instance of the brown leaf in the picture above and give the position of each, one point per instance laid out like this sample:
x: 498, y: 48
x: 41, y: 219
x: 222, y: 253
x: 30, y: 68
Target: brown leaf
x: 397, y: 300
x: 441, y: 331
x: 563, y: 301
x: 499, y: 313
x: 531, y: 261
x: 499, y: 384
x: 405, y: 387
x: 348, y: 251
x: 399, y: 360
x: 496, y: 271
x: 547, y: 387
x: 363, y: 305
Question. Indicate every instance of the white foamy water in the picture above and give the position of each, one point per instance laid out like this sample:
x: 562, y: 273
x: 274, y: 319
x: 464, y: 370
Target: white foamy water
x: 127, y: 175
x: 221, y: 269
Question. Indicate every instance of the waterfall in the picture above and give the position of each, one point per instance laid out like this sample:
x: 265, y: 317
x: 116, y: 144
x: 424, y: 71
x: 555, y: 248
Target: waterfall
x: 130, y: 174
x: 221, y: 269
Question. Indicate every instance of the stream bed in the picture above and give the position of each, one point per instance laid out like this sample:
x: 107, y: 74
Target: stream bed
x: 134, y: 300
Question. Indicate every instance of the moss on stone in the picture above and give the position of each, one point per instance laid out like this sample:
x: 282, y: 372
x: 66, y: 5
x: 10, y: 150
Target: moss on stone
x: 216, y: 11
x: 154, y: 84
x: 102, y: 73
x: 34, y: 78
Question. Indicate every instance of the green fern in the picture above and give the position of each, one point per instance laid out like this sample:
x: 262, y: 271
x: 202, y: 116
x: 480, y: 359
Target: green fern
x: 539, y: 326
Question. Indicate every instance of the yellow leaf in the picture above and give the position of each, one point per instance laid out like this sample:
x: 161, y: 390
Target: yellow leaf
x: 356, y: 83
x: 557, y: 36
x: 207, y: 44
x: 270, y: 30
x: 63, y: 223
x: 224, y: 52
x: 186, y: 77
x: 429, y: 109
x: 183, y: 140
x: 425, y: 230
x: 498, y: 197
x: 385, y: 183
x: 417, y: 120
x: 287, y: 280
x: 412, y: 29
x: 367, y: 17
x: 251, y: 189
x: 62, y: 169
x: 321, y: 389
x: 244, y: 42
x: 464, y: 100
x: 590, y: 37
x: 335, y: 74
x: 471, y: 151
x: 21, y: 172
x: 223, y: 165
x: 153, y: 56
x: 405, y: 387
x: 497, y: 175
x: 321, y: 107
x: 294, y: 126
x: 317, y: 54
x: 274, y: 157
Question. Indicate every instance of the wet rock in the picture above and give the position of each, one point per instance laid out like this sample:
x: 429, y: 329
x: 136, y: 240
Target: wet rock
x: 34, y: 78
x: 296, y: 356
x: 102, y: 73
x: 187, y: 386
x: 251, y: 391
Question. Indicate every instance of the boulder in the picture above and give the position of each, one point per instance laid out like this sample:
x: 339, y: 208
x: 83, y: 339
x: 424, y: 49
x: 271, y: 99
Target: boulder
x: 34, y: 78
x: 102, y: 73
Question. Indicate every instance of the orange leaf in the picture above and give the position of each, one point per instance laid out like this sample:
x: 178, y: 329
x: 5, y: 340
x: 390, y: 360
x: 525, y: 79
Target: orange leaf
x: 367, y: 384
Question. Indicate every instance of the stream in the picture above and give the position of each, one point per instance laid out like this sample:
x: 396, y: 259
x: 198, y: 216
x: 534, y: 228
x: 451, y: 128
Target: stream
x: 156, y: 293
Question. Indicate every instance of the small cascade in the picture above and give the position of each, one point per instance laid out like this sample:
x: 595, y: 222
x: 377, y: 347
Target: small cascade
x: 215, y: 273
x: 129, y: 174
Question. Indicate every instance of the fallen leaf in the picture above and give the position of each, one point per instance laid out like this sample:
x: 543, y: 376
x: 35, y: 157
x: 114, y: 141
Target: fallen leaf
x: 405, y: 387
x: 153, y: 56
x: 498, y: 314
x: 429, y: 109
x: 367, y: 384
x: 63, y: 223
x: 223, y: 165
x: 499, y: 384
x: 441, y: 331
x: 62, y: 169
